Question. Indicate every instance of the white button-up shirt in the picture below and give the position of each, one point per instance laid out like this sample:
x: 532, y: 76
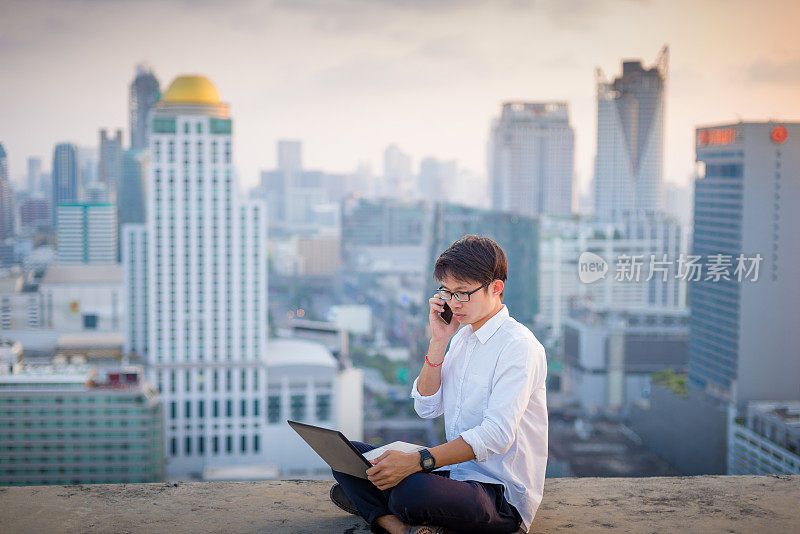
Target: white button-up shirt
x: 493, y: 396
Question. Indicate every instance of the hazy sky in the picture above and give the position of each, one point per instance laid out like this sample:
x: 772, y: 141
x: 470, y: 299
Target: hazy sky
x: 349, y: 77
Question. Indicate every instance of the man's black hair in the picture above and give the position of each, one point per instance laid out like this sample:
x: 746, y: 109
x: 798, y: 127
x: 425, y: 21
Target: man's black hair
x: 472, y: 259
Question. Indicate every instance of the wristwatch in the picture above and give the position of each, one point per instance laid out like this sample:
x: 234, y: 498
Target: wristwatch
x: 426, y: 460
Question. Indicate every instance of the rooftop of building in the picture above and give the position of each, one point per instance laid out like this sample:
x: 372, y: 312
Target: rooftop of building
x: 191, y: 89
x: 282, y: 352
x: 90, y: 340
x: 676, y: 504
x: 11, y: 284
x: 788, y: 412
x: 83, y: 274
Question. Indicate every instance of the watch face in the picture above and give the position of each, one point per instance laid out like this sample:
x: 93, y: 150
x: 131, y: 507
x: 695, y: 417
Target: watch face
x: 428, y: 463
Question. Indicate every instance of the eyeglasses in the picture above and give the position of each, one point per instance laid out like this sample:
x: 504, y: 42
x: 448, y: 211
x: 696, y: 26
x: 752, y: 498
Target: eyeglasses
x: 461, y: 296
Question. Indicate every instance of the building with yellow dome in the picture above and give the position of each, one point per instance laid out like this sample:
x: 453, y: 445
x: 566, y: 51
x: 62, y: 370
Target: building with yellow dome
x: 196, y: 278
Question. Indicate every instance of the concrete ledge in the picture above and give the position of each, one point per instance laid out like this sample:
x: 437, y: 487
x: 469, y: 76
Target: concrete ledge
x: 680, y: 504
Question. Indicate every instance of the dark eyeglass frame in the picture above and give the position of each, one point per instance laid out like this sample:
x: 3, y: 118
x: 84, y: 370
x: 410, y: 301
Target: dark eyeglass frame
x: 444, y: 294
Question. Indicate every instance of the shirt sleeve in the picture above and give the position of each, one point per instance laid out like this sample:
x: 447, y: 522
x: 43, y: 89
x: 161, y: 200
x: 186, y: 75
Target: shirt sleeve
x: 427, y: 407
x: 519, y: 369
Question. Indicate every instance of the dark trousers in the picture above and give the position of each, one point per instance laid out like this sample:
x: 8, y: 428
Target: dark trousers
x: 433, y: 499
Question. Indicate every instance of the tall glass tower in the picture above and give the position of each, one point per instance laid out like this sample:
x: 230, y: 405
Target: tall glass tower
x: 196, y: 274
x: 143, y: 95
x: 743, y: 326
x: 630, y: 140
x: 66, y: 178
x: 6, y: 198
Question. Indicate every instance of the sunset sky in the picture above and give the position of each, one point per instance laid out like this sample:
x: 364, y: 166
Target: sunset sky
x: 349, y: 77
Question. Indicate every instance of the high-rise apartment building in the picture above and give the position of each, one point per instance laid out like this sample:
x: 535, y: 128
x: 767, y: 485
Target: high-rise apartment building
x: 196, y: 277
x: 143, y: 94
x: 86, y: 233
x: 630, y: 140
x: 531, y: 158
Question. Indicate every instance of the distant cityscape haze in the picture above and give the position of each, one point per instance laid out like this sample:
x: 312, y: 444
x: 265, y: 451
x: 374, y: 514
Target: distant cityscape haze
x: 350, y: 77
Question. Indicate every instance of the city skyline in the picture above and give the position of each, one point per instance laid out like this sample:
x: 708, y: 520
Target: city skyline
x: 428, y: 78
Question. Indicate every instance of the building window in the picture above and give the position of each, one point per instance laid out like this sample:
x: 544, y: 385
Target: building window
x: 188, y: 445
x: 201, y: 409
x: 188, y: 410
x: 173, y: 447
x: 90, y: 322
x: 173, y: 410
x: 323, y: 411
x: 273, y: 408
x: 298, y: 407
x: 255, y: 443
x: 201, y: 445
x: 244, y: 408
x: 229, y: 408
x: 216, y: 408
x: 255, y: 407
x: 243, y: 444
x: 229, y: 444
x: 215, y: 444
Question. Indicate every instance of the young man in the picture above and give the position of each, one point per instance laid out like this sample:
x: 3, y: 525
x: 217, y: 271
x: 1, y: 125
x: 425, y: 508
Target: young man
x: 490, y: 386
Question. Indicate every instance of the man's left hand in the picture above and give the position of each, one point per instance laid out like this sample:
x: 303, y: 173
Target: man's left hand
x: 391, y: 467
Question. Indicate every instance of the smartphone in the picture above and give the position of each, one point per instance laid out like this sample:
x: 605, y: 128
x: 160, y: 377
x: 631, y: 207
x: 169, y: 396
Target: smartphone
x: 447, y: 314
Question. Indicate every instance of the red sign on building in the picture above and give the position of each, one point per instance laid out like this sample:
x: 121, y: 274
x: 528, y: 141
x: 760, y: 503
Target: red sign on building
x: 779, y: 135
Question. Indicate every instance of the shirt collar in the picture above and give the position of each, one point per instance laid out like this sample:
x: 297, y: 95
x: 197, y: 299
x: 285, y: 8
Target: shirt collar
x: 490, y: 327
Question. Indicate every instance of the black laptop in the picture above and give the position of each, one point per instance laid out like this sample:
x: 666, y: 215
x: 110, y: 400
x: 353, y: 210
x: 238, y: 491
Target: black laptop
x: 334, y: 448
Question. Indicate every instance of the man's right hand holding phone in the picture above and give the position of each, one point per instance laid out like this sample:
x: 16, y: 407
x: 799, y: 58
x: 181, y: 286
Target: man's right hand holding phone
x: 441, y: 332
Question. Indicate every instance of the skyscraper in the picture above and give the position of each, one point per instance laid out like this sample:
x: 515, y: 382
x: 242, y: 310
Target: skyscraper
x: 397, y: 175
x: 530, y: 159
x: 290, y: 156
x: 143, y: 94
x: 744, y: 297
x: 34, y: 176
x: 130, y: 195
x: 743, y: 334
x: 196, y: 274
x: 109, y: 167
x: 66, y: 178
x: 630, y: 140
x: 6, y: 198
x: 437, y: 179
